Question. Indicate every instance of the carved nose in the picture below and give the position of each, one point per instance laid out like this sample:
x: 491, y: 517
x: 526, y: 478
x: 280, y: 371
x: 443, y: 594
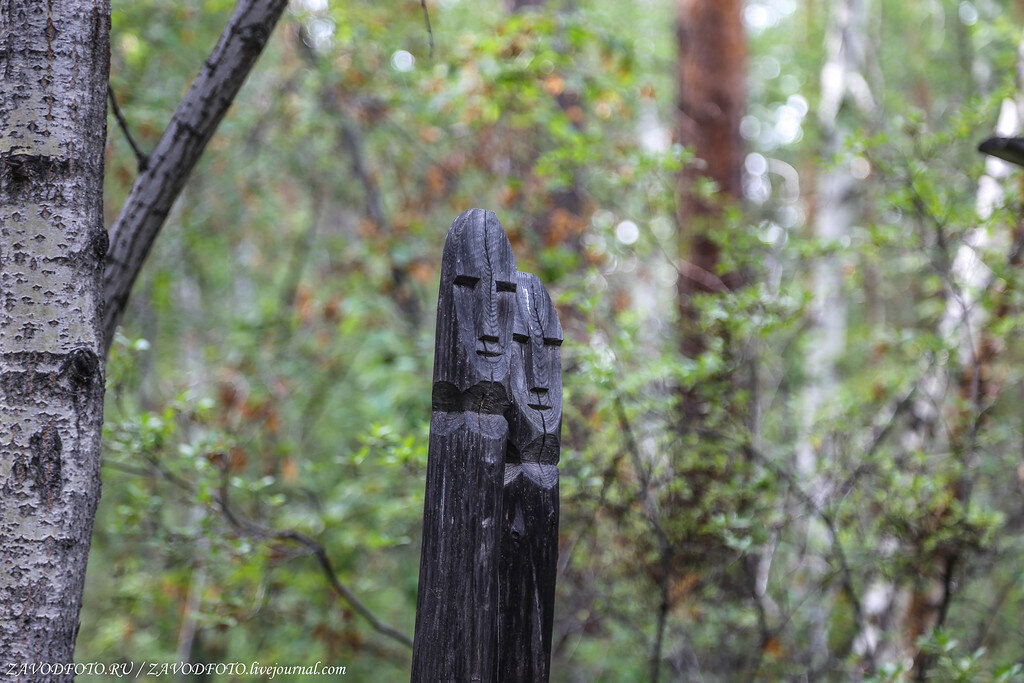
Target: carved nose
x: 484, y: 340
x: 541, y: 403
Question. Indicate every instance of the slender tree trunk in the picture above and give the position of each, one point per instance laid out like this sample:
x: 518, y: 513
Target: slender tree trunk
x: 55, y: 62
x: 844, y: 93
x: 711, y: 73
x: 838, y: 206
x: 711, y: 101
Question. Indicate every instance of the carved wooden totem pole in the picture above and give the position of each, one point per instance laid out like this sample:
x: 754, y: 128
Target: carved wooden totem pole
x: 458, y: 591
x: 529, y: 540
x: 490, y: 516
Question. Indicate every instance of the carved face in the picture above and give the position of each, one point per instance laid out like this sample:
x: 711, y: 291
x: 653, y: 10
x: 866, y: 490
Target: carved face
x: 536, y: 373
x: 479, y: 275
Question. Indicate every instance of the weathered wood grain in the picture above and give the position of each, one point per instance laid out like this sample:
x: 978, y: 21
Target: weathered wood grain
x: 529, y: 539
x: 535, y: 420
x: 529, y: 555
x: 456, y: 612
x: 475, y: 313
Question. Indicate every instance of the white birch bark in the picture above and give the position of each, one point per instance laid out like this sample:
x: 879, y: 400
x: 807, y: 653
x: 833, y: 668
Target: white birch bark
x: 963, y: 317
x: 54, y: 57
x: 843, y: 87
x: 838, y: 208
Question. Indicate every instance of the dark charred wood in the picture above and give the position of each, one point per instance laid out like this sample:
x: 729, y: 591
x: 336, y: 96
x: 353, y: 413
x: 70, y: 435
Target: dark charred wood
x: 529, y: 539
x: 1007, y: 149
x: 535, y: 419
x: 529, y: 559
x: 456, y: 611
x: 490, y: 516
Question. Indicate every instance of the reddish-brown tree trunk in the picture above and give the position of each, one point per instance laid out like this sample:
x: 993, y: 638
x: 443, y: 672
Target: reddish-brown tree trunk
x: 711, y: 102
x: 709, y: 107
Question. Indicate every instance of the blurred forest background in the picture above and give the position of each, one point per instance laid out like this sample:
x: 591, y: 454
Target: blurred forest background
x: 791, y: 291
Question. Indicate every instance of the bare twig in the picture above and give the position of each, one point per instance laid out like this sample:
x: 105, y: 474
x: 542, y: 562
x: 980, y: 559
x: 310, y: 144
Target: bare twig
x: 430, y: 32
x: 846, y: 575
x: 994, y: 611
x: 700, y: 276
x: 254, y: 530
x: 663, y: 608
x: 141, y: 158
x: 901, y: 407
x: 606, y: 480
x: 666, y: 550
x: 300, y: 253
x: 315, y: 548
x: 645, y: 477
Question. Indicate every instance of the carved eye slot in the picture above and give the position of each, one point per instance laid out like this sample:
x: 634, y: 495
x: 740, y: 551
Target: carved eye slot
x: 466, y: 281
x: 521, y: 338
x: 552, y: 341
x: 503, y: 286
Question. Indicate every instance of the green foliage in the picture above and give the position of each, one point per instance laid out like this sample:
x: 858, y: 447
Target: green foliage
x: 273, y: 372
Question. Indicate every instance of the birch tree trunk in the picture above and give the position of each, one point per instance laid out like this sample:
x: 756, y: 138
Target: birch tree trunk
x: 55, y: 61
x: 844, y: 94
x: 842, y: 84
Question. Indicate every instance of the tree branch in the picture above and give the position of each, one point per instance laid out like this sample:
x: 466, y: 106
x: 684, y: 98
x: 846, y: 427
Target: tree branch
x: 430, y: 32
x: 140, y: 157
x: 813, y: 507
x: 180, y: 146
x: 249, y: 528
x: 315, y: 548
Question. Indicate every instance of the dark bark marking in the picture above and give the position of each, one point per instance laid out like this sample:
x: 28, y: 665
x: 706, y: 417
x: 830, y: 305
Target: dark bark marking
x: 82, y: 368
x: 22, y: 174
x: 19, y: 390
x: 45, y: 464
x: 99, y: 242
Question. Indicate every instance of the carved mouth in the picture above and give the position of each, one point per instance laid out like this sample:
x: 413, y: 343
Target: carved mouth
x: 538, y: 406
x: 488, y: 354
